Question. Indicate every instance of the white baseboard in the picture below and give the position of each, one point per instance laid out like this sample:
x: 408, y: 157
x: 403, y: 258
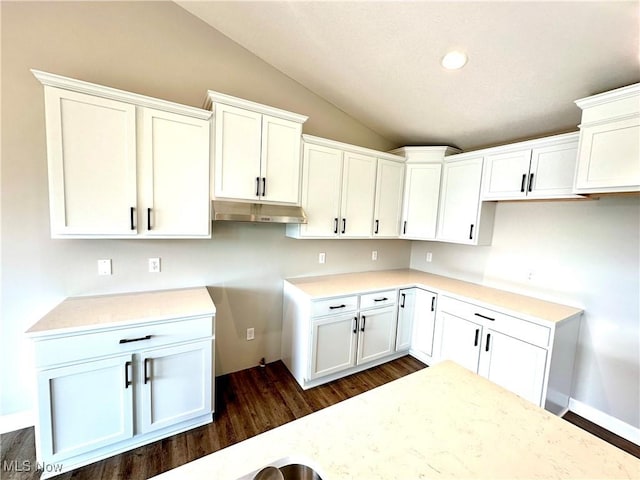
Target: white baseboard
x: 16, y: 421
x: 605, y: 420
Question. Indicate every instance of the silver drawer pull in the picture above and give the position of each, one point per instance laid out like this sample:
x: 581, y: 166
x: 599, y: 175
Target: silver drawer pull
x: 140, y: 339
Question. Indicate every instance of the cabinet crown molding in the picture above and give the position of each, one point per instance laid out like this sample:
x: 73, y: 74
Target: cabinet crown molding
x: 570, y: 137
x: 426, y: 154
x: 217, y: 97
x: 325, y: 142
x: 66, y: 83
x: 606, y: 97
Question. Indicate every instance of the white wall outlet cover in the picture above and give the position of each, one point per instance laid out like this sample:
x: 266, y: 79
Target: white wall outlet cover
x: 154, y: 265
x: 251, y: 334
x: 374, y: 255
x: 322, y: 257
x: 104, y: 266
x: 429, y: 256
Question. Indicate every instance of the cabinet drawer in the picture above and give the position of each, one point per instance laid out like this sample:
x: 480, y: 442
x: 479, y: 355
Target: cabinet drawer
x: 378, y: 299
x: 334, y: 306
x: 512, y: 326
x: 82, y: 346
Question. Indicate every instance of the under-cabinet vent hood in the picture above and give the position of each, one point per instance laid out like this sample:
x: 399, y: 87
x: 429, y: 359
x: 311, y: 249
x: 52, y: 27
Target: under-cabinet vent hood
x: 257, y: 212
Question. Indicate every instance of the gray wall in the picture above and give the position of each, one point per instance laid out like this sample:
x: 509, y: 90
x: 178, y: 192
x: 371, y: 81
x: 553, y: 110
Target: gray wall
x: 582, y: 253
x: 156, y: 49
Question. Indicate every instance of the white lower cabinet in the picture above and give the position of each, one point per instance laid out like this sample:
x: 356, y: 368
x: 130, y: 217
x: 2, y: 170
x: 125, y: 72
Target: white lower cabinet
x: 515, y: 353
x: 103, y: 390
x: 327, y: 338
x: 377, y: 334
x: 333, y: 344
x: 84, y: 406
x: 416, y: 322
x: 176, y: 385
x: 514, y: 364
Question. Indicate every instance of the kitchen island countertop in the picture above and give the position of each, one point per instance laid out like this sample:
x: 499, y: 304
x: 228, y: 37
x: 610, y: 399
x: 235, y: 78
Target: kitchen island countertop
x: 440, y: 422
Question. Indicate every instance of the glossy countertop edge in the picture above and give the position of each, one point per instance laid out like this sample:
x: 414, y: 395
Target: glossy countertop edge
x: 439, y: 422
x: 97, y: 312
x: 522, y: 306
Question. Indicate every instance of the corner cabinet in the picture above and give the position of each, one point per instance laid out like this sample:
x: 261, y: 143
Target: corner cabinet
x: 104, y: 388
x: 257, y: 151
x: 327, y: 338
x: 123, y: 165
x: 421, y: 190
x: 609, y: 152
x: 416, y: 322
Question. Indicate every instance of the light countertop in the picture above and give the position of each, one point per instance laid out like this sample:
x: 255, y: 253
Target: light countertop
x: 520, y: 305
x: 440, y: 422
x: 79, y: 313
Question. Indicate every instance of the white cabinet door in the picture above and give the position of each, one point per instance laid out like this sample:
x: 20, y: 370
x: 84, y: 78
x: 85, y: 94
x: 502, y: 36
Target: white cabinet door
x: 321, y: 183
x: 280, y: 160
x: 388, y: 204
x: 552, y: 171
x: 84, y: 407
x: 515, y: 365
x: 406, y: 303
x: 91, y: 150
x: 608, y: 159
x: 460, y: 201
x: 506, y: 175
x: 420, y: 205
x: 377, y: 337
x: 333, y: 344
x: 358, y: 195
x: 173, y: 174
x: 424, y: 318
x: 238, y: 142
x: 175, y: 384
x: 460, y: 341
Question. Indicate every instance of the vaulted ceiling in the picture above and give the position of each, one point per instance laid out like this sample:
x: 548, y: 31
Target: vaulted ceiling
x: 380, y: 61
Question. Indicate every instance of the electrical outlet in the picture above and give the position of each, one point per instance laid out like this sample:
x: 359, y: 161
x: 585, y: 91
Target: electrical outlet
x: 104, y: 266
x: 322, y: 257
x: 154, y: 265
x: 251, y: 333
x: 429, y: 256
x: 374, y: 255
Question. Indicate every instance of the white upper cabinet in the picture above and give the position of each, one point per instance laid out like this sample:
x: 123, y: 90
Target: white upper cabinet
x: 462, y: 217
x: 174, y: 166
x: 388, y: 204
x: 420, y: 205
x: 343, y: 193
x: 421, y: 190
x: 358, y: 195
x: 542, y: 168
x: 123, y: 165
x: 257, y: 151
x: 609, y: 152
x: 321, y: 185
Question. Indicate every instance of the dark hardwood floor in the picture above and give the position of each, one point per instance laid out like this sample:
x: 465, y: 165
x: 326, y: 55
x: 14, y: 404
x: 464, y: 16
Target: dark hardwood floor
x: 249, y: 402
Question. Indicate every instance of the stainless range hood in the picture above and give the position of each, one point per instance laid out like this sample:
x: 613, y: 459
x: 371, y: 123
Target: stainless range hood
x: 257, y: 212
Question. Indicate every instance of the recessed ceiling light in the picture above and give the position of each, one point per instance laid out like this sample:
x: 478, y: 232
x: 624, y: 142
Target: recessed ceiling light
x: 454, y: 60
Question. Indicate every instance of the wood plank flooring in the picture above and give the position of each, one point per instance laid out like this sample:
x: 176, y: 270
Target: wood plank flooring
x: 249, y: 402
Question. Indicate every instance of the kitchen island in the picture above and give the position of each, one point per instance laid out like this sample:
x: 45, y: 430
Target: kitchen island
x: 440, y: 422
